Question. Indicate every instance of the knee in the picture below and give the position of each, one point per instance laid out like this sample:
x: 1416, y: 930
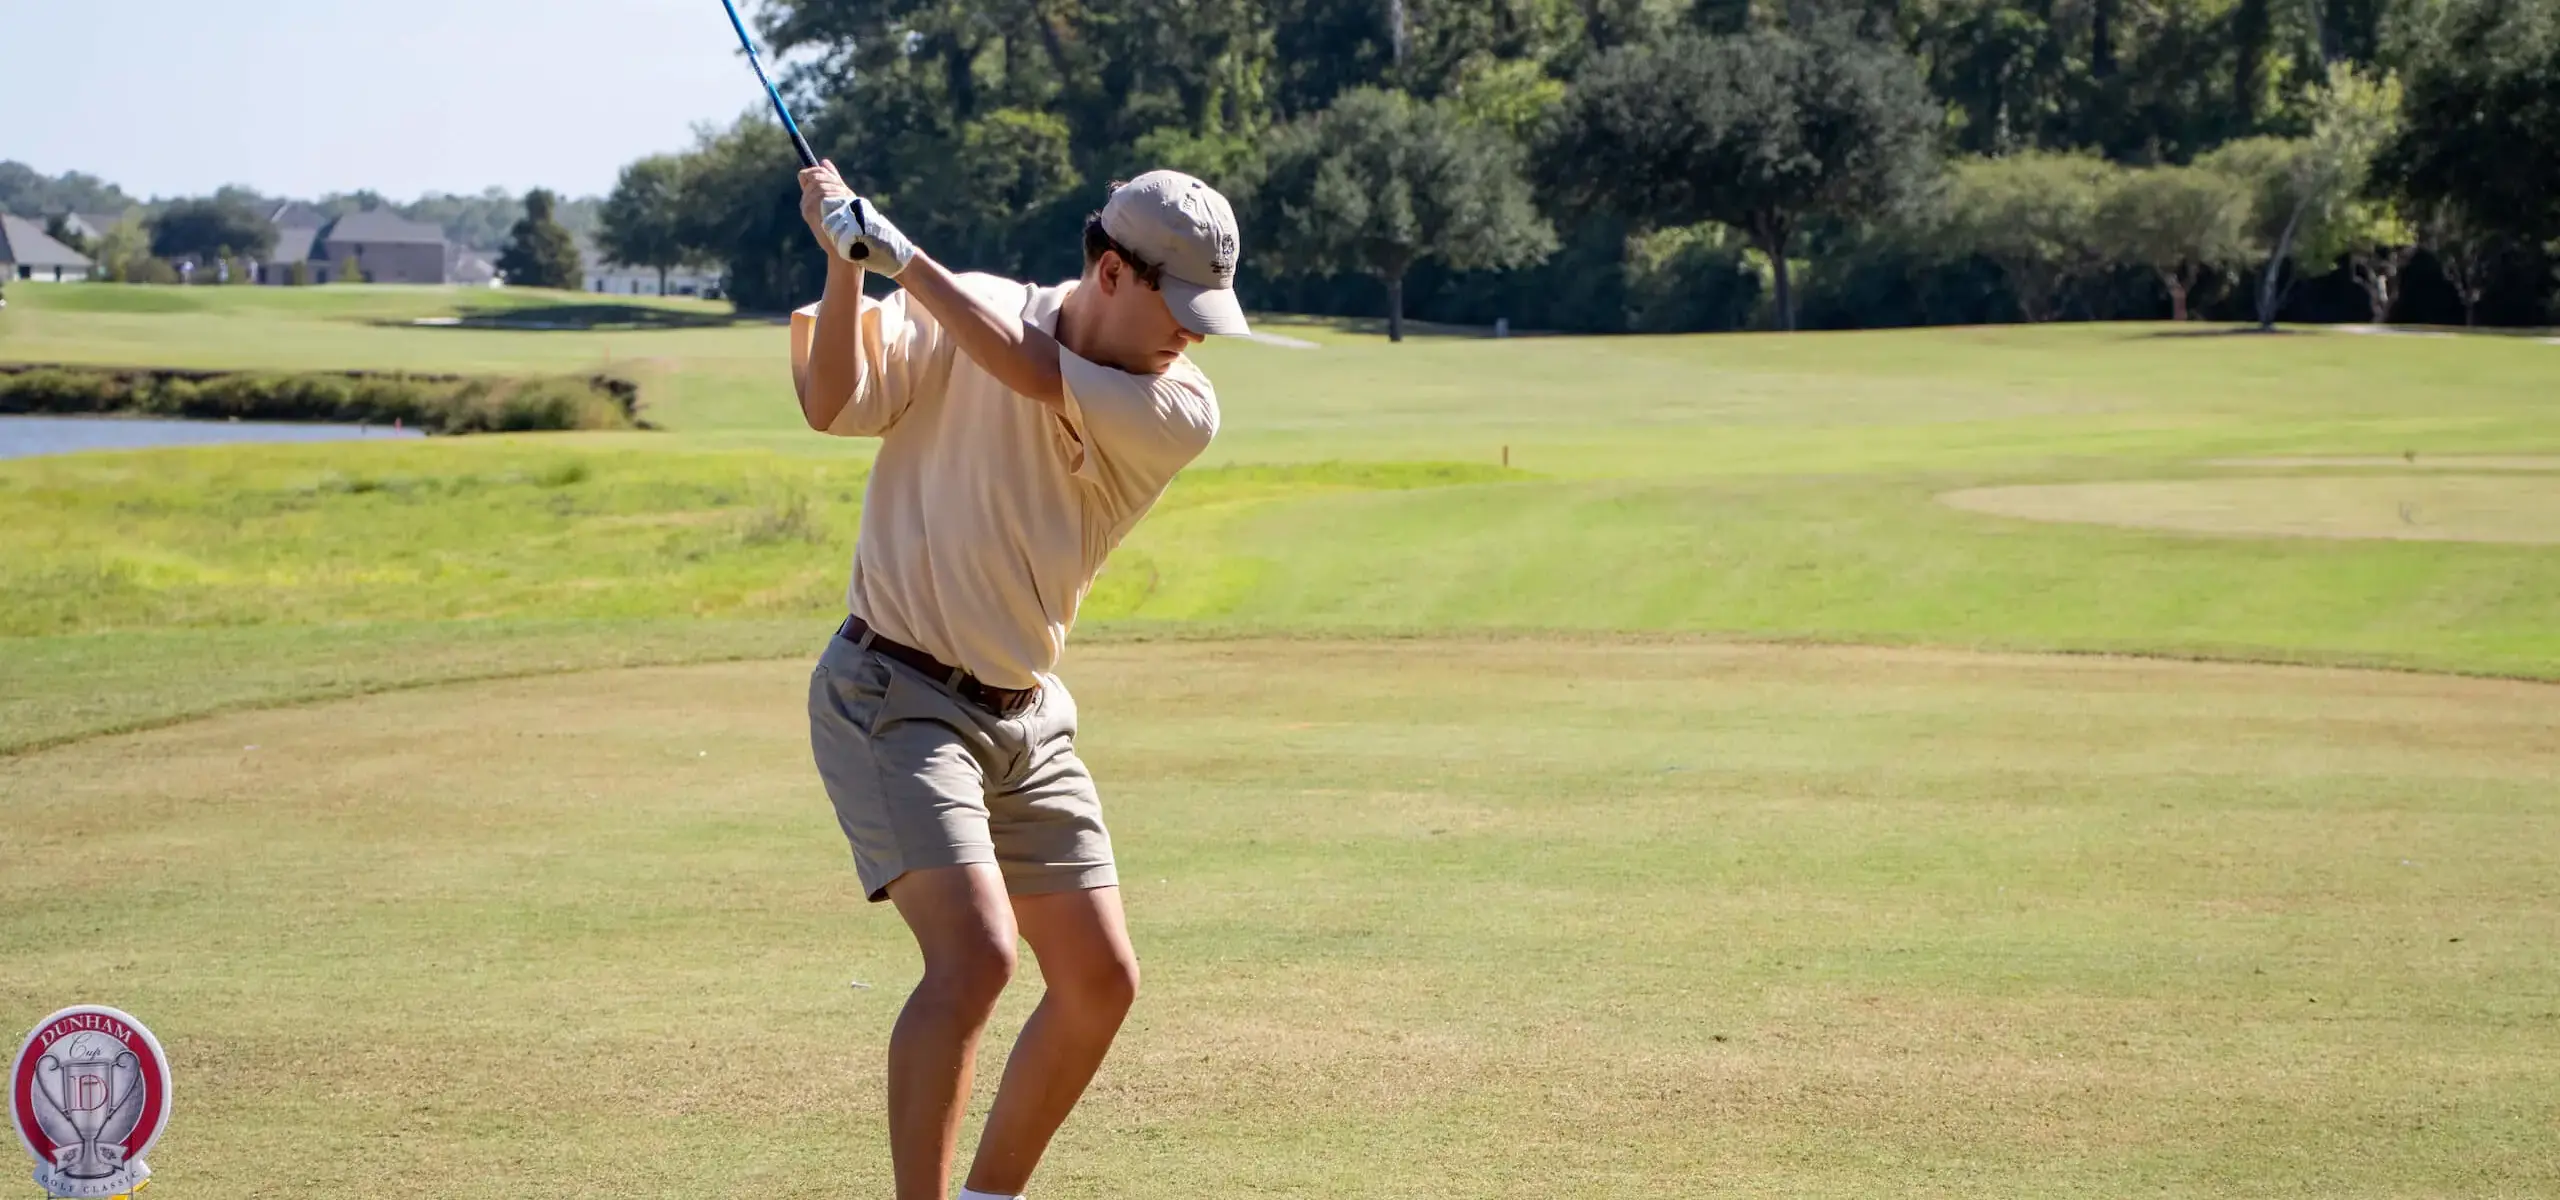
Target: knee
x: 1104, y: 989
x: 970, y: 978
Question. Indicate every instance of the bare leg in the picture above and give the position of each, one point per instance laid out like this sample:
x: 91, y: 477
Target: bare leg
x: 1092, y: 976
x: 961, y: 923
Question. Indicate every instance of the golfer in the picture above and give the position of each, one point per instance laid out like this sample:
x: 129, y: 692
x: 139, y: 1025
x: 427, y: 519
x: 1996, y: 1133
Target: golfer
x: 1024, y: 430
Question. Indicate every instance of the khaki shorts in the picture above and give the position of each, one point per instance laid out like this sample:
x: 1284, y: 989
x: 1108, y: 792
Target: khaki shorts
x: 922, y: 778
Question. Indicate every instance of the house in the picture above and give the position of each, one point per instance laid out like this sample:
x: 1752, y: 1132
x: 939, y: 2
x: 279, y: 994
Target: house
x: 292, y: 250
x: 296, y: 214
x: 28, y: 253
x: 383, y: 247
x: 615, y: 278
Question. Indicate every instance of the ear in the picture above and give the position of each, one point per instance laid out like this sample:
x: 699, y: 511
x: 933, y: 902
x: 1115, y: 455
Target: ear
x: 1109, y: 270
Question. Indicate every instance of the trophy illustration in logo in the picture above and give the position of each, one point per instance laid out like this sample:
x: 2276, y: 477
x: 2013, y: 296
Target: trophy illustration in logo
x: 89, y: 1094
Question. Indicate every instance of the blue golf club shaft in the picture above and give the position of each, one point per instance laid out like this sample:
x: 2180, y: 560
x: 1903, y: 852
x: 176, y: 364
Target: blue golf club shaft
x: 808, y: 157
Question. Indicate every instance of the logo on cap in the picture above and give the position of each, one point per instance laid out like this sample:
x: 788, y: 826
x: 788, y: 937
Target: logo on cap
x: 1225, y: 261
x: 89, y: 1093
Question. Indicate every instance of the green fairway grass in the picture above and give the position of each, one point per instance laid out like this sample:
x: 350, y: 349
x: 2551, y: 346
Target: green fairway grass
x: 1544, y: 766
x: 1443, y: 918
x: 1782, y: 487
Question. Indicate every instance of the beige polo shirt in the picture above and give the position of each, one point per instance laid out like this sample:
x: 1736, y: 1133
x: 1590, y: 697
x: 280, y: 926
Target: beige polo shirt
x: 988, y: 514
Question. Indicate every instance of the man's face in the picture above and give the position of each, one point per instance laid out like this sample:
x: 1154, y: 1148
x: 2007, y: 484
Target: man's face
x: 1136, y: 330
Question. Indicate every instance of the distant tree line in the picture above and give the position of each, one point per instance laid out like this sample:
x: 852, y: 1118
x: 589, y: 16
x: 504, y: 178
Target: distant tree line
x: 1686, y: 164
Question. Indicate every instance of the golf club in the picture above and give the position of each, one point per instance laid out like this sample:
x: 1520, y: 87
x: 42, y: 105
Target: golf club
x: 854, y: 250
x: 808, y: 157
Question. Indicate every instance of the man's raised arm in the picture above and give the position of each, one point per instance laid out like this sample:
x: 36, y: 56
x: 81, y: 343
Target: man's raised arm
x: 1018, y: 353
x: 829, y: 367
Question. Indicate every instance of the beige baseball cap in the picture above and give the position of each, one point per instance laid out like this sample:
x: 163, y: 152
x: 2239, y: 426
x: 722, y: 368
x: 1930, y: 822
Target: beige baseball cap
x: 1184, y: 226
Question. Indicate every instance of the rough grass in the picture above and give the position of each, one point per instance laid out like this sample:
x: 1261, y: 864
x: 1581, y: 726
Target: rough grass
x: 609, y: 527
x: 1419, y: 919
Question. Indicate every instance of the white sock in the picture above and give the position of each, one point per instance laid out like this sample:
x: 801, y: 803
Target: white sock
x: 972, y: 1194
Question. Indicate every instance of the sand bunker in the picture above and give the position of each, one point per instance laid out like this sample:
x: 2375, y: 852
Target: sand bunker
x: 2407, y: 507
x: 2420, y: 462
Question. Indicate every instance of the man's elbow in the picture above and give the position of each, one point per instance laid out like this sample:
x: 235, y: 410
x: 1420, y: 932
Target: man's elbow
x: 814, y: 406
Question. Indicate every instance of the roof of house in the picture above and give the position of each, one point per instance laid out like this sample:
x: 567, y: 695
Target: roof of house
x: 25, y: 243
x: 295, y: 213
x: 378, y: 225
x: 293, y: 244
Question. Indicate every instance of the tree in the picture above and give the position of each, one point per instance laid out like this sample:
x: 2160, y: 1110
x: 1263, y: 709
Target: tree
x: 2179, y: 221
x: 2464, y: 251
x: 741, y: 207
x: 29, y: 193
x: 1007, y: 163
x: 2003, y: 73
x: 539, y: 252
x: 1381, y: 181
x: 200, y: 229
x: 122, y: 250
x: 2379, y: 243
x: 2035, y: 216
x: 58, y: 227
x: 2483, y: 116
x: 2252, y: 24
x: 642, y: 223
x: 1758, y: 132
x: 2302, y: 189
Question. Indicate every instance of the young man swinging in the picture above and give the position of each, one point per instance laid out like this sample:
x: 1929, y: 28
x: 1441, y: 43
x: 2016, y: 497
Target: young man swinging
x: 1024, y: 431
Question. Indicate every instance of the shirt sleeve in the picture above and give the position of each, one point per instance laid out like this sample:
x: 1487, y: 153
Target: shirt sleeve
x: 904, y: 355
x: 1133, y: 433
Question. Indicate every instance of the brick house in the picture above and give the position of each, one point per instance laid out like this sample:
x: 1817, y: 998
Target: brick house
x: 386, y: 247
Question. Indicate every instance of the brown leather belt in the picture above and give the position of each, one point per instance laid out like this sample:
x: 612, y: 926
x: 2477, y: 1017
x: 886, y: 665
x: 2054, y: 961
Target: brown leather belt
x: 1006, y: 703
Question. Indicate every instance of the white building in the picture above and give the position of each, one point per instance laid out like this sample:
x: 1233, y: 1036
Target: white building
x: 616, y: 279
x: 28, y: 253
x: 474, y: 268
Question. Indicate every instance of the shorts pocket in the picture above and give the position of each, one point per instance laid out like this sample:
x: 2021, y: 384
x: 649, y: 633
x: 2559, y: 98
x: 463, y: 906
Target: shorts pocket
x: 853, y: 692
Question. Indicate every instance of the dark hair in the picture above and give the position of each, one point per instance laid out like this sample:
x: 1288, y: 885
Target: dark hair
x: 1097, y: 240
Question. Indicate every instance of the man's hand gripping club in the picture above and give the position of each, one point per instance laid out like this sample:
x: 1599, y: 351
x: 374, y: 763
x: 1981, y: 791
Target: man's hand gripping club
x: 858, y: 238
x: 847, y: 224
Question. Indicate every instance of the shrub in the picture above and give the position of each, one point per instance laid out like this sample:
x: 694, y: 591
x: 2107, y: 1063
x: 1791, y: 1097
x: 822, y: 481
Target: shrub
x: 435, y: 404
x: 57, y: 390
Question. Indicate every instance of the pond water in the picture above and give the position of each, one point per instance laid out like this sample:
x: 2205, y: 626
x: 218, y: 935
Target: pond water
x: 24, y: 436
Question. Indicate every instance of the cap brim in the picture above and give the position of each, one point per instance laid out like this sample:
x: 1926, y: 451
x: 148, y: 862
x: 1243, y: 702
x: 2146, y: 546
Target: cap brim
x: 1205, y: 311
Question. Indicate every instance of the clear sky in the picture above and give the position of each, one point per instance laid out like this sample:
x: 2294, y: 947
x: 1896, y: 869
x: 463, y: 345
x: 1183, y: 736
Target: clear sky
x: 302, y: 97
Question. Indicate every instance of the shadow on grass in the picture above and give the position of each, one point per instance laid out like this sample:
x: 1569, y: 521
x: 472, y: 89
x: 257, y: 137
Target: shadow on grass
x: 1377, y: 326
x: 2216, y: 331
x: 544, y: 317
x: 2529, y: 333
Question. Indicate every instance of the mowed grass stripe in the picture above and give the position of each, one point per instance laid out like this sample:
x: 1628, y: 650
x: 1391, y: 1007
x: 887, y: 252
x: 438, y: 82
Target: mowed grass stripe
x: 1479, y: 918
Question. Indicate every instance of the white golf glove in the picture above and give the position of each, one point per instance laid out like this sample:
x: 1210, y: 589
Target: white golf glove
x: 863, y: 236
